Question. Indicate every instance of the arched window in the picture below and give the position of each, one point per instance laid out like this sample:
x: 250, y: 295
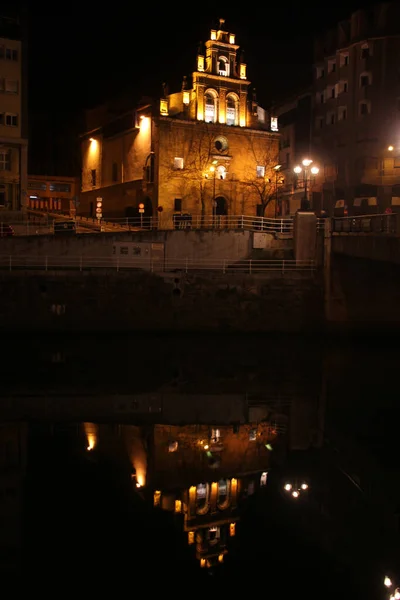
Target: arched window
x: 221, y: 172
x: 232, y: 110
x: 223, y: 66
x: 210, y: 111
x: 202, y: 498
x: 223, y: 493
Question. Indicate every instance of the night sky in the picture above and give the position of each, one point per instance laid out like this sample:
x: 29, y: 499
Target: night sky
x: 79, y: 55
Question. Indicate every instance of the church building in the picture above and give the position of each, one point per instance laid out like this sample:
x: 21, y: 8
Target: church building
x: 208, y: 149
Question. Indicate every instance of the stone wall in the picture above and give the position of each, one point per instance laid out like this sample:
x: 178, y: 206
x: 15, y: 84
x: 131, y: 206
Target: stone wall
x: 373, y: 247
x: 142, y: 301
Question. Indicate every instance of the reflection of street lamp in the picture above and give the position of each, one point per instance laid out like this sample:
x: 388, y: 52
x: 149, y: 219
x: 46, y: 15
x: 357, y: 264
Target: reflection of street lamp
x: 307, y: 172
x: 295, y: 489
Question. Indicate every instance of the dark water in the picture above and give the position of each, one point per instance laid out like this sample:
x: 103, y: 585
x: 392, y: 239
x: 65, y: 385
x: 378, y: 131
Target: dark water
x: 151, y: 464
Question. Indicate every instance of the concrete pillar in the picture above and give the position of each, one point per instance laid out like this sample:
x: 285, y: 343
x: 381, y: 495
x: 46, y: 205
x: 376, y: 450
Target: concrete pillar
x: 305, y: 236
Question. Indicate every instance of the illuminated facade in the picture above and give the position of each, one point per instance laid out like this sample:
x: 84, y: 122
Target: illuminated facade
x: 13, y: 117
x: 207, y: 149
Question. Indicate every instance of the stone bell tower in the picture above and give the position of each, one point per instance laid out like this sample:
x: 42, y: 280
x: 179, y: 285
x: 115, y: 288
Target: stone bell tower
x: 220, y: 82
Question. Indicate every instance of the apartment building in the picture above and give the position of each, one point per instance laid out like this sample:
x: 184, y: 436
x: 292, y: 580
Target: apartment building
x: 356, y: 112
x: 13, y: 116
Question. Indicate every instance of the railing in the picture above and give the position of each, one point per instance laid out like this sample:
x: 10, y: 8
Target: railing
x: 45, y: 226
x: 375, y: 224
x: 120, y: 263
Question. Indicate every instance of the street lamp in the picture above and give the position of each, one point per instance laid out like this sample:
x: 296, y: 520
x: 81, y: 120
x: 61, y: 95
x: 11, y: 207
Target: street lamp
x: 294, y: 489
x: 307, y: 172
x: 277, y: 168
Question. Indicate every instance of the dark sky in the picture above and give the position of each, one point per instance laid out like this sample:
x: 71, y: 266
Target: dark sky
x: 80, y: 53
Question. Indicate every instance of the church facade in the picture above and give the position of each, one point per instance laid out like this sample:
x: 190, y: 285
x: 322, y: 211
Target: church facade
x: 208, y: 149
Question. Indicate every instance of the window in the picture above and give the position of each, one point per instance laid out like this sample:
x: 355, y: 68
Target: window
x: 365, y: 51
x: 178, y: 163
x: 342, y: 113
x: 178, y: 205
x: 342, y: 87
x: 260, y: 171
x: 11, y: 120
x: 9, y: 54
x: 365, y: 79
x: 252, y: 435
x: 37, y: 185
x: 114, y: 174
x: 5, y: 160
x: 365, y: 108
x: 319, y: 122
x: 322, y: 98
x: 320, y: 72
x: 11, y: 86
x: 221, y: 143
x: 94, y: 177
x: 332, y: 93
x: 3, y: 195
x: 60, y: 187
x: 232, y: 112
x: 332, y: 65
x: 210, y: 108
x: 344, y: 59
x: 214, y: 534
x: 221, y: 172
x: 330, y: 118
x: 223, y: 66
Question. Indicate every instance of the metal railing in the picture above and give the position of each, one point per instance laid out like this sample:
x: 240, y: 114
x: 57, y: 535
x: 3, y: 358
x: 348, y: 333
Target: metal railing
x: 121, y: 263
x: 375, y: 224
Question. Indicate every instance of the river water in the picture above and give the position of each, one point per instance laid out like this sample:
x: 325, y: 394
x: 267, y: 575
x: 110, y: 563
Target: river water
x: 156, y: 461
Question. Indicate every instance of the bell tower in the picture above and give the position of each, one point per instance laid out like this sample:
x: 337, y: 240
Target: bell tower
x: 220, y: 81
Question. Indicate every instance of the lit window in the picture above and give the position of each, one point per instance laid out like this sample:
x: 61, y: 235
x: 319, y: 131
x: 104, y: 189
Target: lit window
x: 210, y: 112
x: 232, y: 529
x: 365, y: 108
x: 215, y: 435
x: 178, y: 506
x: 191, y: 537
x: 263, y: 479
x: 260, y: 171
x: 232, y: 110
x: 178, y: 163
x: 164, y: 107
x: 274, y: 124
x: 214, y: 533
x: 213, y: 34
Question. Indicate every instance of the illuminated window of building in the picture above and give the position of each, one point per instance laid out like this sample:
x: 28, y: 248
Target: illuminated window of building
x: 186, y: 97
x: 214, y: 535
x: 173, y: 446
x: 213, y: 34
x: 231, y: 38
x: 263, y: 478
x: 221, y: 172
x: 215, y: 435
x: 210, y: 113
x: 178, y: 506
x: 191, y: 537
x: 232, y: 529
x: 274, y: 124
x: 178, y: 163
x: 260, y: 169
x: 252, y: 435
x: 344, y: 59
x: 157, y: 498
x: 232, y: 110
x: 243, y: 71
x: 223, y: 66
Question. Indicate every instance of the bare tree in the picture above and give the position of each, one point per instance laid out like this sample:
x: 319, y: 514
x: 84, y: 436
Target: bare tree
x: 194, y: 145
x: 261, y: 176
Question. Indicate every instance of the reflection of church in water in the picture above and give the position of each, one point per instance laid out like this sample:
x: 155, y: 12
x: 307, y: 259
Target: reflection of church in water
x: 201, y: 473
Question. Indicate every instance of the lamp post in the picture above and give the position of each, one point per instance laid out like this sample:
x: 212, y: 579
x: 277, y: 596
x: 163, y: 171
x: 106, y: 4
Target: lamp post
x: 277, y: 168
x: 307, y: 171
